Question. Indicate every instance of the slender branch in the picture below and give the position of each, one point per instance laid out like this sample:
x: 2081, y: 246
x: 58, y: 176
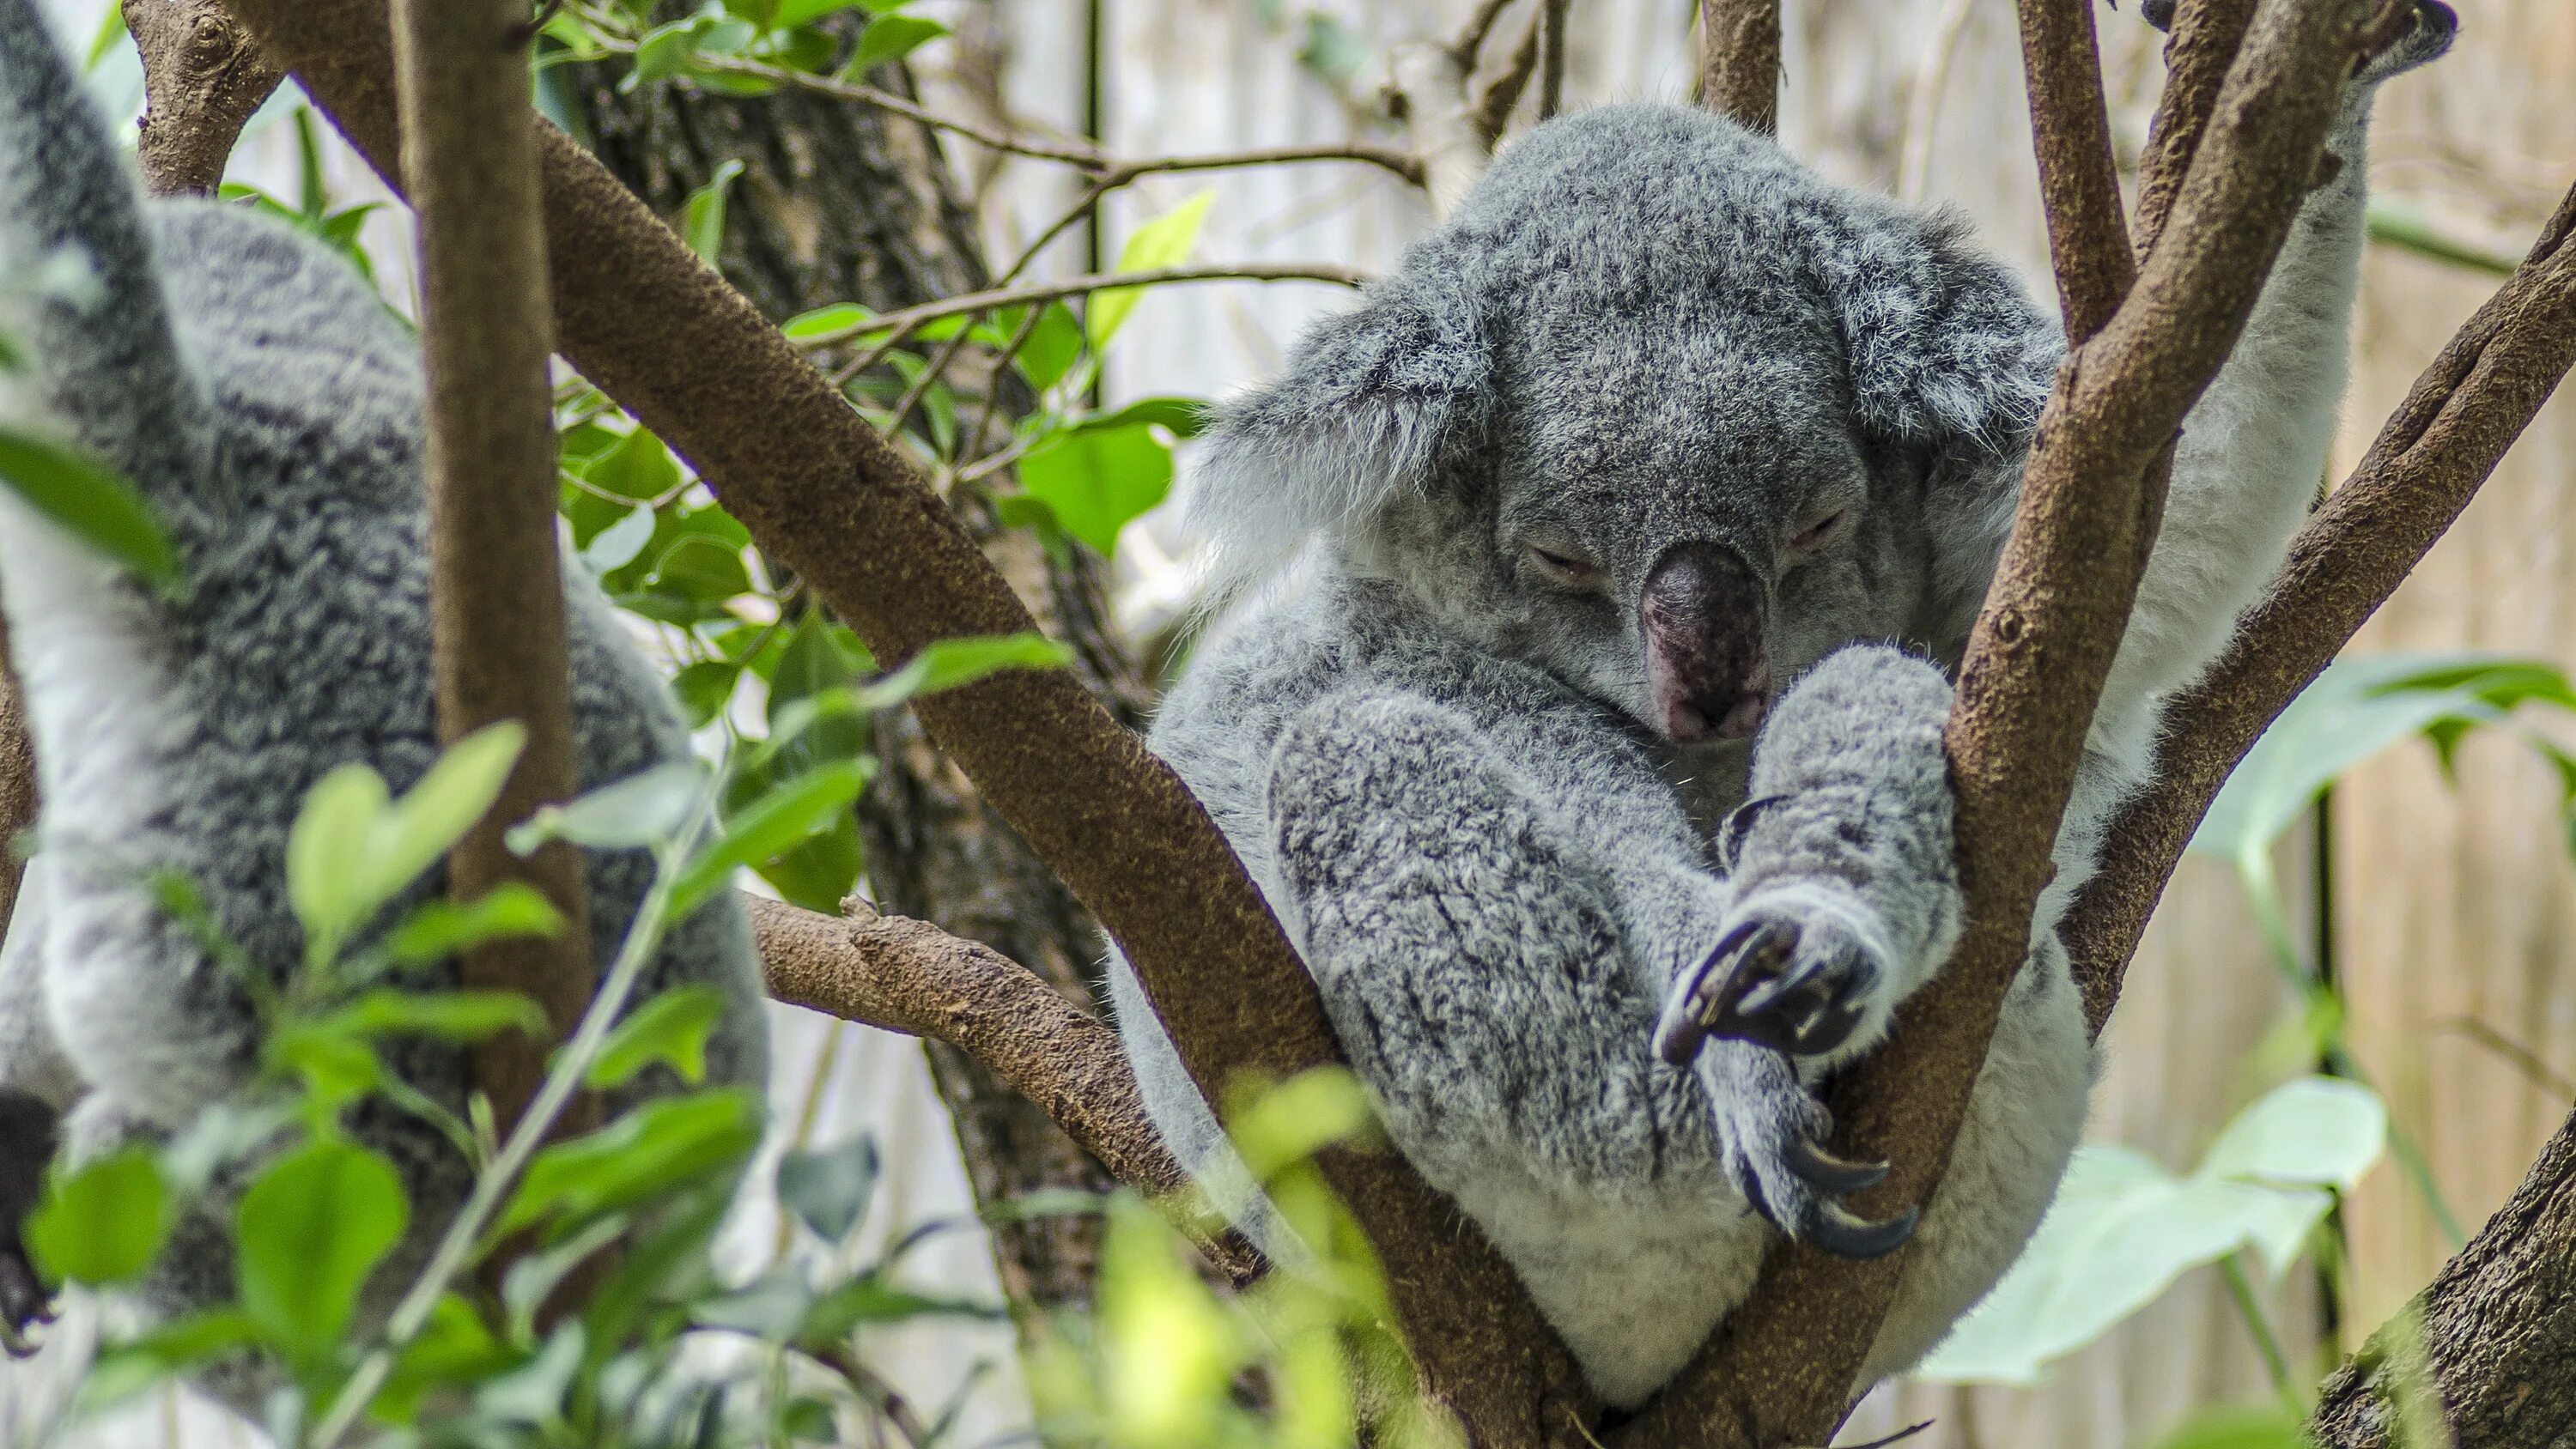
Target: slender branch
x: 1480, y: 24
x: 1551, y: 57
x: 1494, y: 103
x: 2455, y: 425
x: 2206, y: 35
x: 1782, y: 1367
x: 17, y: 781
x: 658, y: 330
x: 202, y: 80
x: 912, y: 319
x: 2088, y: 241
x: 1739, y: 76
x: 498, y: 642
x: 908, y: 976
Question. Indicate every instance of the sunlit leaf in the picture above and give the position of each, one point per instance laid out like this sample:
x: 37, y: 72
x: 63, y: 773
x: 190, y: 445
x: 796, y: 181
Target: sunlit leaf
x: 825, y: 321
x: 769, y: 827
x: 2264, y: 1426
x: 453, y: 1016
x: 951, y: 663
x: 1099, y: 479
x: 614, y: 547
x: 891, y: 38
x: 646, y: 808
x: 704, y: 222
x: 659, y: 1145
x: 441, y: 928
x: 126, y: 1369
x: 1166, y: 241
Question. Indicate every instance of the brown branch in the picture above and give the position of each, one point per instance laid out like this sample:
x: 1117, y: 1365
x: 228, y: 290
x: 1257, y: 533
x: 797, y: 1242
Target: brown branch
x: 1782, y: 1367
x: 202, y: 81
x: 912, y: 319
x: 1493, y: 108
x: 497, y: 632
x: 659, y: 331
x: 17, y: 782
x: 1551, y: 62
x: 2088, y: 242
x: 2427, y: 463
x: 1739, y: 60
x: 2498, y: 1326
x: 908, y: 976
x: 2206, y: 35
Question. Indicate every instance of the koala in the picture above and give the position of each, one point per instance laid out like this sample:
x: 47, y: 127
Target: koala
x: 269, y: 410
x: 1598, y: 584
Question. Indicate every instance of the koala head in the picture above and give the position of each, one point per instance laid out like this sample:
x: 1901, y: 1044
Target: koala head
x: 1658, y: 410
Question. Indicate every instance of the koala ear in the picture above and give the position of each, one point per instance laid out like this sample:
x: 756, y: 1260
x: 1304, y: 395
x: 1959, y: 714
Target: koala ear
x: 1358, y: 419
x: 1946, y: 349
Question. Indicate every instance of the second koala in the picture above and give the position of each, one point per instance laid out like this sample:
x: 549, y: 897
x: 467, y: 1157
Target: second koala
x: 1666, y: 478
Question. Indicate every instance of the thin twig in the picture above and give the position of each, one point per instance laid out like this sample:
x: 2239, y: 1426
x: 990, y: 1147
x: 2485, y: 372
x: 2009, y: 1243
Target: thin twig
x: 1493, y: 108
x: 1551, y: 57
x: 1471, y: 41
x: 911, y: 319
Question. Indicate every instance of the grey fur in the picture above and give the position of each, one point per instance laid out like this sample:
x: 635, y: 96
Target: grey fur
x: 257, y: 392
x: 1442, y: 758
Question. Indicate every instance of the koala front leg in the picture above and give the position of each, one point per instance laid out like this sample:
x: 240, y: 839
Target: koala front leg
x: 2253, y: 450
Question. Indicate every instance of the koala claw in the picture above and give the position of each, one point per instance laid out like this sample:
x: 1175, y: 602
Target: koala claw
x: 1772, y: 1132
x: 1795, y: 989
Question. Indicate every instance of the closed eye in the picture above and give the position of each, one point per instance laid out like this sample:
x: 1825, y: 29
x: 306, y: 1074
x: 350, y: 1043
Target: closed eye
x: 1564, y: 569
x: 1815, y: 536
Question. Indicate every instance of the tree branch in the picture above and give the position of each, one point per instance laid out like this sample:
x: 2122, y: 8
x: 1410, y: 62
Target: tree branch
x: 900, y: 324
x: 1739, y: 44
x: 2427, y: 463
x: 2088, y: 242
x: 1781, y: 1368
x: 908, y: 976
x: 2206, y: 35
x: 2498, y: 1326
x: 656, y: 329
x: 498, y: 643
x: 202, y: 81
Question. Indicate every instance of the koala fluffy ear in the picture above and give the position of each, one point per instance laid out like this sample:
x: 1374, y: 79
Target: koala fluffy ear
x: 1358, y: 418
x: 1946, y: 348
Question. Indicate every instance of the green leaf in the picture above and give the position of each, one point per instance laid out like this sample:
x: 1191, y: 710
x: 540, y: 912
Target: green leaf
x: 951, y: 663
x: 820, y: 870
x: 769, y: 1307
x: 825, y: 321
x: 793, y: 13
x: 759, y: 14
x: 439, y: 929
x: 1331, y: 50
x: 452, y: 1016
x: 670, y: 1029
x: 310, y: 1230
x: 828, y: 1189
x: 90, y: 503
x: 2314, y: 1131
x: 614, y: 547
x: 336, y: 1069
x: 639, y: 467
x: 1166, y: 241
x: 644, y: 809
x: 705, y: 223
x: 704, y: 689
x: 772, y: 824
x: 659, y: 1145
x: 1099, y: 479
x: 891, y: 38
x: 104, y: 1222
x: 662, y: 53
x: 867, y: 1300
x: 126, y: 1369
x: 453, y: 1348
x: 351, y: 849
x: 1052, y: 348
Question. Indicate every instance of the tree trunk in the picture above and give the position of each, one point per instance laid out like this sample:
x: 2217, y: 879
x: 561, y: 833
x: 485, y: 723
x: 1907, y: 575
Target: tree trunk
x: 2498, y: 1325
x: 839, y: 203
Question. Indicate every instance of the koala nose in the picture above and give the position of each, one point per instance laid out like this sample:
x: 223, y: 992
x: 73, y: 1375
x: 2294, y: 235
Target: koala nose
x: 1702, y: 615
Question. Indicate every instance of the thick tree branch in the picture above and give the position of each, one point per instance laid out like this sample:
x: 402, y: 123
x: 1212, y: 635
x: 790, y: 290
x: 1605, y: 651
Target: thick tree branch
x: 2498, y: 1327
x: 660, y: 332
x: 2206, y: 34
x: 908, y: 976
x: 202, y: 80
x: 498, y: 643
x: 2088, y: 243
x: 1782, y: 1367
x: 2427, y: 463
x: 1739, y: 61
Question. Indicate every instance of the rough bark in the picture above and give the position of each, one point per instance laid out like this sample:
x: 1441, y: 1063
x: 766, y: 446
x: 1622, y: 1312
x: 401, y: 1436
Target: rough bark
x: 498, y: 641
x: 2497, y: 1331
x: 2427, y: 463
x: 1739, y: 48
x: 202, y: 80
x: 838, y: 202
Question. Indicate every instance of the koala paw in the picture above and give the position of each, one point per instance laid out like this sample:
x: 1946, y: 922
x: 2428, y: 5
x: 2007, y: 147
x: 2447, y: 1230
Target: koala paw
x: 2418, y: 35
x: 1771, y: 1135
x: 1797, y: 986
x: 28, y: 1130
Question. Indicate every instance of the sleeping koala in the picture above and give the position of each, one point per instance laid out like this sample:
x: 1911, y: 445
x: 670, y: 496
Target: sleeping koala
x: 264, y: 403
x: 1602, y: 576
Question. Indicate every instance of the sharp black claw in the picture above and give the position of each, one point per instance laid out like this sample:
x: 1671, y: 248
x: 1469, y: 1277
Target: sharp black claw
x: 2159, y: 13
x: 1831, y: 1175
x: 1702, y: 1001
x: 1846, y: 1236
